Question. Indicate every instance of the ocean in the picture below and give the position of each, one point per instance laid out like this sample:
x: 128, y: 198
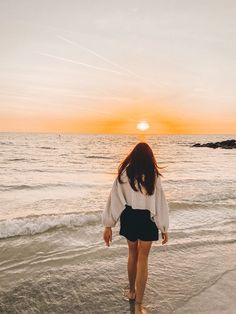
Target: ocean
x: 53, y: 188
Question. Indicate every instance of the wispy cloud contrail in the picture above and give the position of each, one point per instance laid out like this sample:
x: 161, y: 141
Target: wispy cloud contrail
x: 81, y: 63
x: 98, y: 55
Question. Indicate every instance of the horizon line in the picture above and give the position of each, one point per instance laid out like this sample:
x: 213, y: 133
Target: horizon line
x: 106, y: 133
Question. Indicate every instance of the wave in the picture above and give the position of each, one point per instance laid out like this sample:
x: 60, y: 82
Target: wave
x: 5, y: 188
x: 205, y: 204
x: 47, y: 147
x: 195, y: 244
x: 37, y: 224
x: 17, y: 159
x: 201, y: 180
x: 187, y: 205
x: 35, y: 170
x: 31, y: 225
x: 36, y: 187
x: 6, y: 143
x: 215, y: 228
x: 99, y: 157
x: 207, y: 227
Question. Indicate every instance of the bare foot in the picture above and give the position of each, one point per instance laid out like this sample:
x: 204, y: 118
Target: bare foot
x: 139, y: 309
x: 131, y: 295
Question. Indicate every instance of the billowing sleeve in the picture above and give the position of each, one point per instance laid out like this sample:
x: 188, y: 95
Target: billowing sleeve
x: 161, y: 217
x: 114, y: 206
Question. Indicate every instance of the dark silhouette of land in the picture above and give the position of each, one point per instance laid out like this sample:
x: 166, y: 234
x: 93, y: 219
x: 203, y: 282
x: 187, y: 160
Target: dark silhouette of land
x: 228, y: 144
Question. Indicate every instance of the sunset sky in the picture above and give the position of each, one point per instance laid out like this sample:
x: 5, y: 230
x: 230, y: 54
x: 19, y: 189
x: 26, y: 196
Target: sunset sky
x: 103, y: 66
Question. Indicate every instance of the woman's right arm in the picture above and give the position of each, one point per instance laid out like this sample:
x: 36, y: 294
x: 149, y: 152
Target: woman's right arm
x: 108, y: 221
x: 114, y: 206
x: 107, y: 217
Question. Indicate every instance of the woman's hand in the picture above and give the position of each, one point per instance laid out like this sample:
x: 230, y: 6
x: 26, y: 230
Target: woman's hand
x: 164, y: 237
x: 107, y: 235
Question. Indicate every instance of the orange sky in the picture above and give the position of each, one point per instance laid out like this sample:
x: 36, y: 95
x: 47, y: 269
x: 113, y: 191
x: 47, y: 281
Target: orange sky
x: 120, y: 123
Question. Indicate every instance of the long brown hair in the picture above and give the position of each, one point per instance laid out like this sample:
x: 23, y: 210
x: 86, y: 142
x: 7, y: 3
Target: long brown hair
x: 141, y: 167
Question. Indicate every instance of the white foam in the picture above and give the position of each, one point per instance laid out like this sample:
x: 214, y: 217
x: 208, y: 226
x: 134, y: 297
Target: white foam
x: 38, y: 224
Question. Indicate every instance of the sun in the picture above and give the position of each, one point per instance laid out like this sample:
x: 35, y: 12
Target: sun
x: 143, y: 125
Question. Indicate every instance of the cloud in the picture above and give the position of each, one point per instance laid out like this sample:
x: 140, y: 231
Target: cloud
x: 80, y: 63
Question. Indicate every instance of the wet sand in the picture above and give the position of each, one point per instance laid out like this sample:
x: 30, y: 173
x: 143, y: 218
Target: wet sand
x: 219, y: 298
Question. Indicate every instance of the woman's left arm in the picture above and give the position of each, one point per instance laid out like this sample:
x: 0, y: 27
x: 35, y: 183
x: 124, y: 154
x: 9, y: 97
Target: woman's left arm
x: 162, y: 210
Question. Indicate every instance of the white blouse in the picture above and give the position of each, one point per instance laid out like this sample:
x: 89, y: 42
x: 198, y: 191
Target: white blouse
x: 123, y: 194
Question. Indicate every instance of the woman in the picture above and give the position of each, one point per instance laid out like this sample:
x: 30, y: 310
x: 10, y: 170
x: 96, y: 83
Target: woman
x: 137, y: 198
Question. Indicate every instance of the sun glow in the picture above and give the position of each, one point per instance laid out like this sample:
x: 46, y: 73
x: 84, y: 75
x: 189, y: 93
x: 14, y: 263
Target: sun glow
x: 143, y: 125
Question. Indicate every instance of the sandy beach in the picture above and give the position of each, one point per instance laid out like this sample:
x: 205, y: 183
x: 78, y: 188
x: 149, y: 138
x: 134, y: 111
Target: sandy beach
x: 219, y: 298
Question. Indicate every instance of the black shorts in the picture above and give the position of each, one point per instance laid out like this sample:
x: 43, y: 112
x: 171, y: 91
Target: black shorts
x: 136, y: 224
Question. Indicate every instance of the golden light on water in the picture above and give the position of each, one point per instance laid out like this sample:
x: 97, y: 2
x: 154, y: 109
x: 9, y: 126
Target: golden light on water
x: 143, y: 126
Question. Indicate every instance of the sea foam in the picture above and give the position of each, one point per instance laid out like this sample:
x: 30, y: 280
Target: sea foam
x: 31, y: 225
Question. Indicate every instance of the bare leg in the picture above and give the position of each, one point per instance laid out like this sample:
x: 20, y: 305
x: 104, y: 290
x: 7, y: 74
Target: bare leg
x: 132, y: 266
x: 142, y: 272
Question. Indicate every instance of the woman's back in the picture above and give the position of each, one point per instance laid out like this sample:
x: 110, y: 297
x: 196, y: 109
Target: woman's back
x: 137, y: 199
x: 123, y: 194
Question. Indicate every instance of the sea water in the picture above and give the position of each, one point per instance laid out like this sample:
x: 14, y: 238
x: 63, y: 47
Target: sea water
x: 53, y: 188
